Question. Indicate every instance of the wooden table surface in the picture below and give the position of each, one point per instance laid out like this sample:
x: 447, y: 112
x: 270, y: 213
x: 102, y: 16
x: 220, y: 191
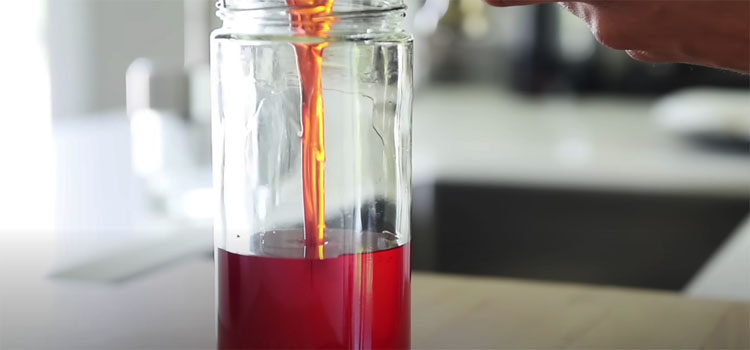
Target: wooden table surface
x: 173, y: 308
x: 468, y: 312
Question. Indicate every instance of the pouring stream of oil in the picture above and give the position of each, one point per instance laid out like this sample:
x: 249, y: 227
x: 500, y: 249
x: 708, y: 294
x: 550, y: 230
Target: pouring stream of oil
x: 312, y: 18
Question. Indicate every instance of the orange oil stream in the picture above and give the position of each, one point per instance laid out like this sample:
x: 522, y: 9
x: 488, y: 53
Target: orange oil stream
x: 312, y: 18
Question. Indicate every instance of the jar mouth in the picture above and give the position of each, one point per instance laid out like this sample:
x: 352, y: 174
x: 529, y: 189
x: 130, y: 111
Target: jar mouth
x: 282, y: 13
x: 339, y: 6
x: 345, y: 17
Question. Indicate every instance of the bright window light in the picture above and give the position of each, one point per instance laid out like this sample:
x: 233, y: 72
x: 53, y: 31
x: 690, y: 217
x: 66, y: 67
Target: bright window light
x: 26, y: 143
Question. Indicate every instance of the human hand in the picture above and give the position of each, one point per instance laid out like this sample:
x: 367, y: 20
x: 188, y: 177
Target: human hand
x: 713, y: 33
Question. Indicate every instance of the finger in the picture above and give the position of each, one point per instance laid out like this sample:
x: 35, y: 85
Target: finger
x: 651, y: 56
x: 504, y: 3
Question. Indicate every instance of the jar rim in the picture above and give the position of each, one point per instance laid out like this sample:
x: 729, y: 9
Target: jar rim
x: 339, y: 6
x: 351, y: 17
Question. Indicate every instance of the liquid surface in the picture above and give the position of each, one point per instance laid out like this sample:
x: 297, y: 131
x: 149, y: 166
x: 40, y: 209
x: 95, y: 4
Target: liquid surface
x: 290, y: 244
x: 353, y: 301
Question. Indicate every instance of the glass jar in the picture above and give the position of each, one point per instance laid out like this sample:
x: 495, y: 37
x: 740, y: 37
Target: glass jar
x: 312, y: 168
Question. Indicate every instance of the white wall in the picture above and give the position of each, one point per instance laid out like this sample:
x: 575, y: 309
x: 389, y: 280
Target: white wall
x: 92, y: 42
x: 69, y: 49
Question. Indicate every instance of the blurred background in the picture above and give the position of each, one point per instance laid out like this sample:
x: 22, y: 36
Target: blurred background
x: 538, y: 153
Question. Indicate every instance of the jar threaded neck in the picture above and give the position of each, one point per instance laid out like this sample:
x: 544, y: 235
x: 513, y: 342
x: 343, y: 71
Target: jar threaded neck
x: 344, y: 17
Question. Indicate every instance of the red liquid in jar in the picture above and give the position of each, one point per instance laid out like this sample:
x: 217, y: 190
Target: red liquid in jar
x: 353, y: 301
